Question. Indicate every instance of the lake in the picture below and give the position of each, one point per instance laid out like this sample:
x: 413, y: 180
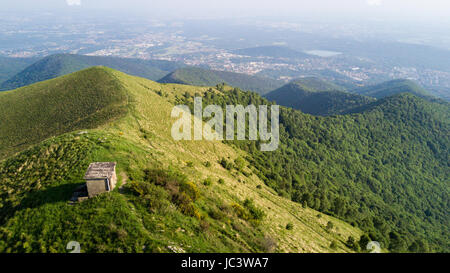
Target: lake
x: 322, y: 53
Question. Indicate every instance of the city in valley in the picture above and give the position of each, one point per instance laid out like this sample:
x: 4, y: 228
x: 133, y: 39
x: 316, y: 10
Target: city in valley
x: 274, y: 49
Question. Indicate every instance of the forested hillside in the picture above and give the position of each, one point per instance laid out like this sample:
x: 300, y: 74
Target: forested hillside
x: 317, y: 97
x: 11, y: 66
x: 393, y: 87
x: 384, y: 170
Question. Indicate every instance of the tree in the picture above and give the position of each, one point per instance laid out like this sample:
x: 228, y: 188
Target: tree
x: 330, y: 225
x: 364, y: 240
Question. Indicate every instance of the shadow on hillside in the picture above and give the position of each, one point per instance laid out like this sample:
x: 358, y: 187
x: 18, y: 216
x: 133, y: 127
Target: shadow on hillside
x: 49, y: 195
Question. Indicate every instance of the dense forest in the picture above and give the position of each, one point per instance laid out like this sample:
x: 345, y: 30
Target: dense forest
x: 384, y: 170
x: 317, y: 97
x: 393, y: 87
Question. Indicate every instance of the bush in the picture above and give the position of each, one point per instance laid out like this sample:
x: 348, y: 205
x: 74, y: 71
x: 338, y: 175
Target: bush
x: 351, y: 243
x: 216, y: 214
x: 240, y: 211
x: 156, y: 198
x: 221, y: 181
x: 289, y: 226
x: 191, y: 190
x: 239, y: 164
x: 333, y: 245
x: 364, y: 240
x: 207, y: 181
x: 204, y: 226
x: 227, y: 165
x: 268, y: 244
x: 182, y: 192
x: 330, y: 225
x: 256, y: 213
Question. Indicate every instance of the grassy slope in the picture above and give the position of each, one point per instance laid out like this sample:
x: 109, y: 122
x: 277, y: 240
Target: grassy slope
x: 36, y: 112
x: 141, y: 139
x: 204, y: 77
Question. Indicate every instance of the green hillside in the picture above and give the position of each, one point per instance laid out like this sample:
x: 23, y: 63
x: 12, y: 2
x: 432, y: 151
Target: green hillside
x: 42, y: 110
x: 61, y: 64
x: 314, y: 84
x: 11, y: 66
x: 384, y: 170
x: 173, y: 196
x: 317, y: 97
x: 204, y: 77
x: 393, y: 87
x: 271, y: 51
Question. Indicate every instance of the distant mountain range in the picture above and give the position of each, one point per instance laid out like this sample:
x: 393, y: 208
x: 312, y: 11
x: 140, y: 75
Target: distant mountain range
x: 204, y: 77
x: 157, y: 70
x: 61, y: 64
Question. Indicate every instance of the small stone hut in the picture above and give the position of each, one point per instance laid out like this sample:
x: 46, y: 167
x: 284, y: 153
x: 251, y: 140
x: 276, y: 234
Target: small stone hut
x: 100, y: 177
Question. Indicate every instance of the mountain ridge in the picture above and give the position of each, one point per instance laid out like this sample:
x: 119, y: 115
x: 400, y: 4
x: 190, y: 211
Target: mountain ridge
x: 204, y: 77
x: 317, y: 97
x: 393, y: 87
x: 62, y: 64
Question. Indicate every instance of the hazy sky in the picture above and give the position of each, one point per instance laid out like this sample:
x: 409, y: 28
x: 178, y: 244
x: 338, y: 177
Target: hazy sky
x: 420, y: 9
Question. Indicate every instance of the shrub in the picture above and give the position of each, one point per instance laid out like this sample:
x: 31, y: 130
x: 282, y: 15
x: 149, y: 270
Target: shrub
x: 248, y: 211
x: 333, y: 245
x: 227, y: 165
x: 204, y: 226
x: 330, y: 225
x: 256, y: 213
x: 239, y: 164
x: 240, y: 211
x: 181, y: 191
x: 191, y: 190
x: 289, y: 226
x: 156, y: 198
x: 351, y: 243
x: 268, y: 244
x: 221, y: 181
x: 364, y: 240
x: 207, y: 164
x: 216, y: 214
x: 207, y: 181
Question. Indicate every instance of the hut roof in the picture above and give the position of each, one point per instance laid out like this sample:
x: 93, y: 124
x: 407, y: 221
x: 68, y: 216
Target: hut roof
x: 100, y: 170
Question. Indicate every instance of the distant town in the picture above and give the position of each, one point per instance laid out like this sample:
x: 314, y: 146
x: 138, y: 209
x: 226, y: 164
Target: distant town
x: 157, y: 40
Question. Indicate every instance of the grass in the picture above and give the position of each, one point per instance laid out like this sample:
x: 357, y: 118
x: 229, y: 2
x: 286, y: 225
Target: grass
x: 81, y: 100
